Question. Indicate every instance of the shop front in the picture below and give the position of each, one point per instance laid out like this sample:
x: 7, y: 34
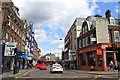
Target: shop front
x: 96, y: 58
x: 8, y: 63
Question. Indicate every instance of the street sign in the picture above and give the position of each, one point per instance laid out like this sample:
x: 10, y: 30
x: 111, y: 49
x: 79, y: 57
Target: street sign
x: 9, y: 48
x: 93, y: 39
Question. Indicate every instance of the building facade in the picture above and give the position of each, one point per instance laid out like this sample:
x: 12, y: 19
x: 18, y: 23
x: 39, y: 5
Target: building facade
x: 98, y: 42
x: 69, y: 54
x: 17, y: 32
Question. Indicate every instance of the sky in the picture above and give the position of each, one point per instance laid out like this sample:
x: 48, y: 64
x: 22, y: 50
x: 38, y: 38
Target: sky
x: 53, y: 18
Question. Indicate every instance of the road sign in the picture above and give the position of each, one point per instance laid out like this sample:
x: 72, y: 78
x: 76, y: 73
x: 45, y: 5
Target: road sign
x: 9, y: 48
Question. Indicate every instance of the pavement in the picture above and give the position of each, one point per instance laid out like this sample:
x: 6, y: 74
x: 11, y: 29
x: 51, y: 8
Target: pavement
x: 97, y: 72
x: 10, y: 74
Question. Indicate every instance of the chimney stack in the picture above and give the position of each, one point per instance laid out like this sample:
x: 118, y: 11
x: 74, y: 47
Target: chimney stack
x: 108, y: 13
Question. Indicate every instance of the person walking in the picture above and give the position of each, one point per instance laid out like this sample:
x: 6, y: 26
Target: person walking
x: 111, y: 65
x: 116, y: 65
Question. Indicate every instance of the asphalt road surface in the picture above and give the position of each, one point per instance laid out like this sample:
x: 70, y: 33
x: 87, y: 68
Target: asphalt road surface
x: 37, y: 74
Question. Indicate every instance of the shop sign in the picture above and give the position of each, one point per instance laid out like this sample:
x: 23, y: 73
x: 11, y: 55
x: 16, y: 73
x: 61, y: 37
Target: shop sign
x: 93, y: 39
x: 99, y: 52
x: 9, y: 48
x: 85, y: 50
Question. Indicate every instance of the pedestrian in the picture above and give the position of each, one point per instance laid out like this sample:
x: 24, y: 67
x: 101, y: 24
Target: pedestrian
x: 111, y: 65
x: 116, y: 64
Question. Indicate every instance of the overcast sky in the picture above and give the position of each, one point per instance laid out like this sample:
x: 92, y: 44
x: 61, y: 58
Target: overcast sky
x: 53, y: 18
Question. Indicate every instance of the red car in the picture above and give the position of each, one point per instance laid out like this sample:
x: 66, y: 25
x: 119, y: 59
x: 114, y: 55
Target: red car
x: 41, y: 65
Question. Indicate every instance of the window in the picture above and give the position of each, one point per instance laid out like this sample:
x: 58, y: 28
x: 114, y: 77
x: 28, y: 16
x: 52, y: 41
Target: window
x: 109, y: 57
x: 91, y: 58
x: 100, y: 60
x: 91, y: 42
x: 85, y: 30
x: 80, y: 44
x: 11, y: 38
x: 87, y: 41
x: 74, y: 34
x: 6, y: 36
x: 83, y: 43
x: 14, y: 40
x: 13, y: 25
x: 9, y: 22
x: 93, y: 24
x: 112, y: 20
x: 83, y: 58
x: 116, y: 36
x: 15, y: 29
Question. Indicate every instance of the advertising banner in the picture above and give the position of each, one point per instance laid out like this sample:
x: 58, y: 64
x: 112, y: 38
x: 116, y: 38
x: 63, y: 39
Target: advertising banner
x: 9, y: 48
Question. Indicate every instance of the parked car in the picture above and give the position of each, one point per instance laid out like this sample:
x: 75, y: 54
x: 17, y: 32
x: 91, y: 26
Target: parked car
x: 56, y: 68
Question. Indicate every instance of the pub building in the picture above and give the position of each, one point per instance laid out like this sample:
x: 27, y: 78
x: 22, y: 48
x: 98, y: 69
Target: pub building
x: 98, y: 42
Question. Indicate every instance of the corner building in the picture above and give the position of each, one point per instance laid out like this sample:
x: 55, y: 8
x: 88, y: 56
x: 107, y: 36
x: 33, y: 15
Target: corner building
x: 98, y: 42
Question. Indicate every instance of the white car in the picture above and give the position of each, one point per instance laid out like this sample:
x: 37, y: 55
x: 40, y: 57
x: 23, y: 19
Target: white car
x: 56, y: 68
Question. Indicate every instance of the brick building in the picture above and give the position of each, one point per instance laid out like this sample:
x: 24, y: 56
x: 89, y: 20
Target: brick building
x: 98, y: 42
x: 13, y: 30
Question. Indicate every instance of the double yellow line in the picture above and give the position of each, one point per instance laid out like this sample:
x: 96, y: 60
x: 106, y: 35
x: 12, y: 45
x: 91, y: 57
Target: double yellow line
x: 25, y: 74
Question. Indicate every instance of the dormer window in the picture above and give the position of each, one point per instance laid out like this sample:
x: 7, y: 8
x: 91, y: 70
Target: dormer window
x: 84, y: 28
x: 93, y: 24
x: 112, y: 20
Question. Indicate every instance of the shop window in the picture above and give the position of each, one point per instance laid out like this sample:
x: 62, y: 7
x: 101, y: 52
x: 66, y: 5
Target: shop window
x: 83, y: 59
x: 91, y: 58
x: 100, y: 60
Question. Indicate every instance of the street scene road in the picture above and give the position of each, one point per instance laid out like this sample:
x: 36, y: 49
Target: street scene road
x: 37, y: 74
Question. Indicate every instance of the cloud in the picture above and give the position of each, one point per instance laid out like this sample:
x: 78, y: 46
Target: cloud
x: 99, y: 11
x: 57, y: 51
x: 40, y: 35
x: 54, y: 15
x: 53, y: 12
x: 55, y: 41
x: 105, y: 1
x: 61, y: 46
x: 118, y: 9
